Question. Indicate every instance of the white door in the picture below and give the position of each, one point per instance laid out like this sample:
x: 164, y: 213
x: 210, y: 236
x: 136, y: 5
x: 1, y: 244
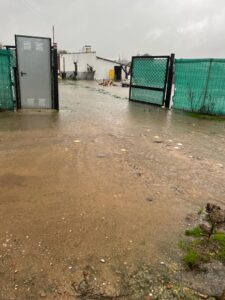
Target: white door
x: 34, y: 69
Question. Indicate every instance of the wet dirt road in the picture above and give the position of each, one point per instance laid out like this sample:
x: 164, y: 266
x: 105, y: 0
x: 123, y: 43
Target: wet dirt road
x: 92, y: 186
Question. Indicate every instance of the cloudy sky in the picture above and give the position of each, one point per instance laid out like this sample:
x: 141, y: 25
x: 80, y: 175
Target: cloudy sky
x: 189, y: 28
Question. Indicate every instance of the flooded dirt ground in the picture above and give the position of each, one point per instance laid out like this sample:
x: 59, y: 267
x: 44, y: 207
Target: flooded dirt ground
x: 103, y: 188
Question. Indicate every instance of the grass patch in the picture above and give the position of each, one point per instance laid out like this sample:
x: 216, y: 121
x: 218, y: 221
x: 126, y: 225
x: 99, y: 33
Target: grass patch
x: 195, y: 232
x: 219, y: 238
x: 192, y: 258
x: 201, y: 249
x: 221, y: 255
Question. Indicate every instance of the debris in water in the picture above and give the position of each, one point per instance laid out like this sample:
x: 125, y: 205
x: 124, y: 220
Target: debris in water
x: 101, y: 155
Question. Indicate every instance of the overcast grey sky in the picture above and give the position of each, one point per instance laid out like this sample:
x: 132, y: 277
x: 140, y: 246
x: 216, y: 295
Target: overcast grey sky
x: 189, y: 28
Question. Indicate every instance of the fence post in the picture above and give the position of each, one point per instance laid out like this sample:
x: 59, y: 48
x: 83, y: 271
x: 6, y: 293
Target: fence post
x: 170, y: 80
x: 55, y: 79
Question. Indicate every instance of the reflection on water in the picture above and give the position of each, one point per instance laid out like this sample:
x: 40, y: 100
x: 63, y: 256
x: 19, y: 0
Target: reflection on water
x: 29, y: 120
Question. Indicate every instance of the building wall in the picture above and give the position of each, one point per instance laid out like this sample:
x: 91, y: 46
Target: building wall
x: 101, y: 67
x: 83, y: 59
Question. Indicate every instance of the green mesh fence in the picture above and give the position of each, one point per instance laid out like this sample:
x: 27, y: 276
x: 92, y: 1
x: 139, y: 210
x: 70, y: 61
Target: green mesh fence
x: 7, y: 61
x: 200, y: 85
x: 148, y: 79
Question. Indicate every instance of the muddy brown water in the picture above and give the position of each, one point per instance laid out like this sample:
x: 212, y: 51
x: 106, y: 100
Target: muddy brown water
x: 90, y: 186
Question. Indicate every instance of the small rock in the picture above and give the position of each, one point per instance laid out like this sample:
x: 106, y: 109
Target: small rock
x: 102, y: 260
x: 179, y: 144
x: 123, y: 150
x: 176, y: 148
x: 201, y: 295
x: 149, y: 199
x: 220, y: 165
x: 77, y: 141
x: 42, y: 294
x: 157, y: 139
x: 169, y: 286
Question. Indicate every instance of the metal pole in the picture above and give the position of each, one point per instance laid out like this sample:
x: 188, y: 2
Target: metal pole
x: 53, y: 34
x: 55, y: 75
x: 170, y: 80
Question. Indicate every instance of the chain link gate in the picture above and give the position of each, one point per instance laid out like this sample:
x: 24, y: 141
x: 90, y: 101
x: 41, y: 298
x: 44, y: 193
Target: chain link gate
x: 7, y: 63
x: 151, y: 79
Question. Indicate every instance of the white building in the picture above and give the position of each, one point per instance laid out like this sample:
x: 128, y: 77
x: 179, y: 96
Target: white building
x: 89, y: 66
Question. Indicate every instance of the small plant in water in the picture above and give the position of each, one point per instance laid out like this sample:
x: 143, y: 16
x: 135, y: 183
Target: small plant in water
x: 205, y: 241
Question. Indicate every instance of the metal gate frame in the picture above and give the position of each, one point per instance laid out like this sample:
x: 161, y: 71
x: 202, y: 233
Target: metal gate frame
x: 54, y: 73
x: 167, y: 89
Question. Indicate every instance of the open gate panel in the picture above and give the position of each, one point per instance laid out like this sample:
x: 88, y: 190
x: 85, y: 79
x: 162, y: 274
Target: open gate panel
x: 151, y: 79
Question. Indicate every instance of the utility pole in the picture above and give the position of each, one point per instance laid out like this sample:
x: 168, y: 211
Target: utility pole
x: 53, y: 34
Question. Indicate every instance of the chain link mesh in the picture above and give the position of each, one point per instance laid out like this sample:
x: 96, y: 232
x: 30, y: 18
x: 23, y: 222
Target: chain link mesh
x: 7, y: 62
x: 200, y: 85
x: 148, y: 72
